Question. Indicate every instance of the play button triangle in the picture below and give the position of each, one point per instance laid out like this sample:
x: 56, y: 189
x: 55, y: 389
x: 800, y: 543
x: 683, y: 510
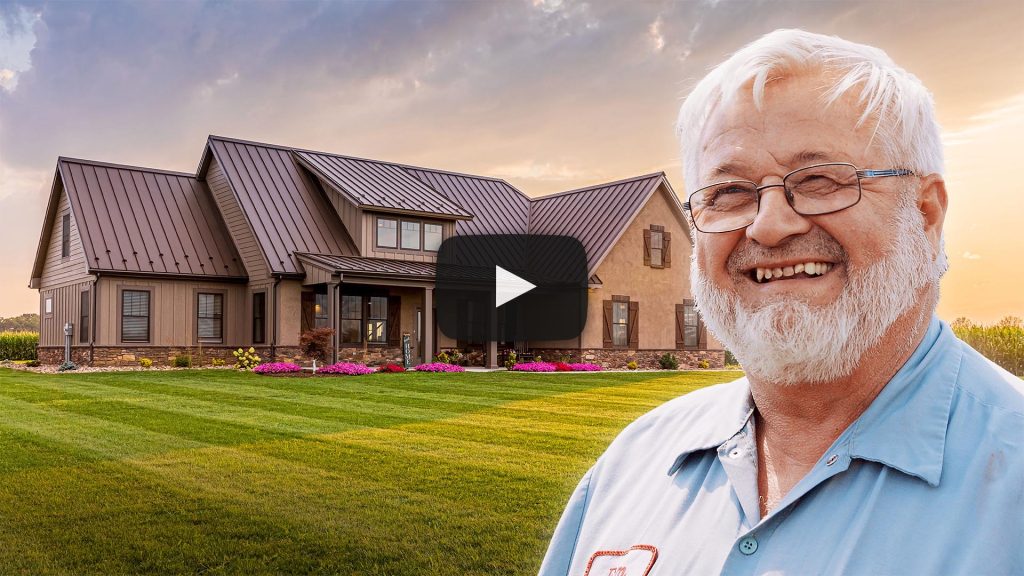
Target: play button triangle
x: 508, y: 286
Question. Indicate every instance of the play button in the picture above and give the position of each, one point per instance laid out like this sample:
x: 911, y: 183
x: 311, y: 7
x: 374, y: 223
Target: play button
x: 508, y: 286
x: 511, y: 287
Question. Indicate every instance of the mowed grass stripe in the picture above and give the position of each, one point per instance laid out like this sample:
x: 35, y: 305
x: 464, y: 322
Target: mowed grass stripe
x: 476, y: 490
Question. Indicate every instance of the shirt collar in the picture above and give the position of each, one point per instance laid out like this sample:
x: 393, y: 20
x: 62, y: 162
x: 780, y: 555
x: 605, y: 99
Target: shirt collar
x: 904, y: 427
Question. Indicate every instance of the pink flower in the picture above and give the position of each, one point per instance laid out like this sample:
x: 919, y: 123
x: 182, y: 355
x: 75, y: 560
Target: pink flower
x: 534, y: 367
x: 439, y: 367
x: 346, y: 369
x: 277, y: 368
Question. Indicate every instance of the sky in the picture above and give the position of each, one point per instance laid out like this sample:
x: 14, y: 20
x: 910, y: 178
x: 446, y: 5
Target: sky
x: 548, y: 94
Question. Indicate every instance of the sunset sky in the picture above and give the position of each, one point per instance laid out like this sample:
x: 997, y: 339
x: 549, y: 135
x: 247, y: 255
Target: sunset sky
x: 548, y: 94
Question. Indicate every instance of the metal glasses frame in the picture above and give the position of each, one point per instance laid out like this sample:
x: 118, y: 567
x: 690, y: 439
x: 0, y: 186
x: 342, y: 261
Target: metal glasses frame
x: 789, y: 194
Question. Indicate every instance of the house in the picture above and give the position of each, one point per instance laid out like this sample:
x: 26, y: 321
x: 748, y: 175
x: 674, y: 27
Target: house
x: 263, y: 242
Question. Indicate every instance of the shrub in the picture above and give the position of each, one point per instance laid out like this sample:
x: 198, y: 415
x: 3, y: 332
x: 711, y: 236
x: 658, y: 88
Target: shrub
x: 346, y: 369
x: 668, y: 361
x: 316, y: 343
x: 730, y: 359
x: 18, y: 345
x: 443, y: 358
x: 183, y: 361
x: 217, y: 362
x: 145, y: 362
x: 533, y: 367
x: 439, y: 367
x: 704, y: 364
x: 391, y: 368
x: 632, y: 365
x: 246, y: 359
x: 277, y: 368
x: 510, y: 360
x: 33, y: 364
x: 67, y: 366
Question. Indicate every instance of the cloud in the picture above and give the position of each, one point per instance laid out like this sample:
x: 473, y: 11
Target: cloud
x: 971, y: 256
x: 17, y: 39
x: 654, y: 35
x: 537, y: 170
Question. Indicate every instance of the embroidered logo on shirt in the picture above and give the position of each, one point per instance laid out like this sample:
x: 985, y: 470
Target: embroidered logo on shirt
x: 637, y: 561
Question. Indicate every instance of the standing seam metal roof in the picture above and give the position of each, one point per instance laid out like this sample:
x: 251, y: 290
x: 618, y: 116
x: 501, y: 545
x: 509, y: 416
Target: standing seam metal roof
x: 148, y: 221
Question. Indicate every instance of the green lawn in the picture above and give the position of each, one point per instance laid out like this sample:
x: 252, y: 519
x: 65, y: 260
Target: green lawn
x: 220, y: 472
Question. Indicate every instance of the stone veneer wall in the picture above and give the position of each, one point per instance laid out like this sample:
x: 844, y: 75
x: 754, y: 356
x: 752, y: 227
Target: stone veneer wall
x: 617, y: 359
x: 165, y: 355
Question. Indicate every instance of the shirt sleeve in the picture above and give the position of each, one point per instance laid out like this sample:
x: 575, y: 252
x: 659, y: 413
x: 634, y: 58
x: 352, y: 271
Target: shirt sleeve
x: 558, y: 559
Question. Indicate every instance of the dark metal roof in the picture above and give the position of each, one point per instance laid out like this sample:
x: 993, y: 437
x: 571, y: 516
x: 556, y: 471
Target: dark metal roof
x: 596, y: 215
x: 286, y: 210
x: 380, y: 185
x: 497, y: 207
x: 138, y: 220
x: 372, y: 266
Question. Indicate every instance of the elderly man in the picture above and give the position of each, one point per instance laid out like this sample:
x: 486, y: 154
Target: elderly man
x: 865, y: 438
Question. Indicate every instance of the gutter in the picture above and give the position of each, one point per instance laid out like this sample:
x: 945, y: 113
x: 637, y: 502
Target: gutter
x: 92, y: 318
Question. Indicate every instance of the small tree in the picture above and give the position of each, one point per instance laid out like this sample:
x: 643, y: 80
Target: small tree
x: 316, y: 343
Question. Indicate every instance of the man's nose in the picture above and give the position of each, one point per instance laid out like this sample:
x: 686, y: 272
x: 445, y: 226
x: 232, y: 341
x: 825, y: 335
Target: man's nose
x: 776, y: 220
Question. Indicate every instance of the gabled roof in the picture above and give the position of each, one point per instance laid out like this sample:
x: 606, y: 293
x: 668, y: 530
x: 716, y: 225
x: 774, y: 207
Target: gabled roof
x: 143, y: 221
x: 286, y: 210
x: 497, y: 206
x: 598, y: 215
x: 380, y: 185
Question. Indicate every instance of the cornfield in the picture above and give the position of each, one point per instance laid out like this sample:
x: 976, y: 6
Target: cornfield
x: 18, y: 345
x: 1002, y: 343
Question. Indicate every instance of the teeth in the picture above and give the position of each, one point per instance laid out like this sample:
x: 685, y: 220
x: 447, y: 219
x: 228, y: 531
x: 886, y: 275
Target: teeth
x: 809, y: 268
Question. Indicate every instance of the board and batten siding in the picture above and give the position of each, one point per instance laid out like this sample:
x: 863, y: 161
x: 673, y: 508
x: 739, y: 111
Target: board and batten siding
x: 58, y: 270
x: 67, y: 301
x: 172, y: 311
x: 350, y: 214
x: 239, y: 228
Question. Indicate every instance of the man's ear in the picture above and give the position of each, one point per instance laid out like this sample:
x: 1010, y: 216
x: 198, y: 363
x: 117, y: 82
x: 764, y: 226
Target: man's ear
x: 931, y: 201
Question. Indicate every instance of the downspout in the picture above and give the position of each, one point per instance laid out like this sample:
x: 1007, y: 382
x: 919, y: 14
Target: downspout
x: 273, y: 340
x: 92, y: 331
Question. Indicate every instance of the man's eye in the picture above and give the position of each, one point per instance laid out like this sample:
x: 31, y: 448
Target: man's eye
x: 727, y: 197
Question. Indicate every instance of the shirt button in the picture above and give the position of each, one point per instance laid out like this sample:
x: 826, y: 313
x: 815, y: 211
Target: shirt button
x: 748, y: 546
x: 831, y: 460
x: 735, y: 453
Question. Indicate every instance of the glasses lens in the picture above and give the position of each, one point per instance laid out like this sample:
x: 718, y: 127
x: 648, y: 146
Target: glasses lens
x: 823, y: 188
x: 724, y: 207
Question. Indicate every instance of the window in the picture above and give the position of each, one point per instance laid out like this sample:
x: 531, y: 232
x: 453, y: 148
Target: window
x: 410, y: 235
x: 431, y: 237
x: 65, y: 240
x: 135, y: 316
x: 259, y: 318
x: 620, y: 323
x: 387, y: 233
x: 83, y: 318
x: 351, y: 319
x: 210, y: 317
x: 376, y: 324
x: 48, y: 305
x: 689, y: 327
x: 657, y: 247
x: 320, y: 317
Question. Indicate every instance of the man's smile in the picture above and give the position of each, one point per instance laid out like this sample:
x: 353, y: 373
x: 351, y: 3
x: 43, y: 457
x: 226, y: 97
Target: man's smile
x: 789, y: 271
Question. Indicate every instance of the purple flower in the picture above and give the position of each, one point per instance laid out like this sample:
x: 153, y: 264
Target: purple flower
x: 534, y: 367
x: 277, y: 368
x: 439, y: 367
x: 346, y: 368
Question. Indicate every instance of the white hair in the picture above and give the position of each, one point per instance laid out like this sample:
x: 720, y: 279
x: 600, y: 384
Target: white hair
x: 900, y: 106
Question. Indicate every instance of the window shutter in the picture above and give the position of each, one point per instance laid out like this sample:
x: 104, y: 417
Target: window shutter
x: 634, y: 323
x: 607, y: 324
x: 666, y: 249
x: 680, y: 326
x: 308, y: 318
x: 647, y: 247
x: 702, y: 333
x: 394, y: 320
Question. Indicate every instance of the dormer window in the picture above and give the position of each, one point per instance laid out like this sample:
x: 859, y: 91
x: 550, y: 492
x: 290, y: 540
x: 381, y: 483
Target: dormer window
x: 432, y: 237
x: 408, y: 234
x: 387, y: 233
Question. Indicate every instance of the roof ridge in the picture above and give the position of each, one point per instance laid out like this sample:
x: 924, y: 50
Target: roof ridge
x: 124, y: 166
x: 601, y: 185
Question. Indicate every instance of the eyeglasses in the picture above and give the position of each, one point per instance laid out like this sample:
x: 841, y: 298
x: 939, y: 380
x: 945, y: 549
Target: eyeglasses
x: 811, y: 191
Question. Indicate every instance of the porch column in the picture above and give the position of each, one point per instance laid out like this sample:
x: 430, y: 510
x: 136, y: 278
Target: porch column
x: 428, y: 324
x: 333, y: 307
x: 492, y: 345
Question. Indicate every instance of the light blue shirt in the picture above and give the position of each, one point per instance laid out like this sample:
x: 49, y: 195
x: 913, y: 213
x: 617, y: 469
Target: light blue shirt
x: 929, y: 480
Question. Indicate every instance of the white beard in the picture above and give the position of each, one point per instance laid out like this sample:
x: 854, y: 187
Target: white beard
x: 788, y: 341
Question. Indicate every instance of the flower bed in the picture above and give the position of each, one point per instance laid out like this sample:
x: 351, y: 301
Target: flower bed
x: 391, y: 368
x: 346, y: 369
x: 277, y: 368
x: 555, y: 367
x: 439, y: 367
